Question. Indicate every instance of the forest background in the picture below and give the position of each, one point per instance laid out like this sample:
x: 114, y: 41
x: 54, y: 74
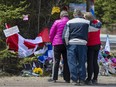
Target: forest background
x: 39, y: 14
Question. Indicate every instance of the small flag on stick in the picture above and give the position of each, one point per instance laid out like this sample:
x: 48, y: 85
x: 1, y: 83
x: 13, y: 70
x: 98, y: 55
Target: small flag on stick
x: 107, y: 45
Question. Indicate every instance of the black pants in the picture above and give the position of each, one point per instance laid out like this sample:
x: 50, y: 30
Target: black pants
x: 58, y: 51
x: 92, y: 62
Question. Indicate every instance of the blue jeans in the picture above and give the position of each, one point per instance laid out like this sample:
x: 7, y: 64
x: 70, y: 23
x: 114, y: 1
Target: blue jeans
x: 77, y: 55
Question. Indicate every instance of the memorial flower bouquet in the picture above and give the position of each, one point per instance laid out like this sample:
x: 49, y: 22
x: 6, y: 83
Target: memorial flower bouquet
x: 38, y: 71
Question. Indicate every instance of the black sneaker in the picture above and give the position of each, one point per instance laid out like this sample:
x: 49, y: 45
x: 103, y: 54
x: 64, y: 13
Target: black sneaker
x: 54, y: 81
x: 67, y: 81
x: 88, y: 82
x: 77, y: 84
x: 81, y: 82
x: 51, y: 80
x: 94, y: 82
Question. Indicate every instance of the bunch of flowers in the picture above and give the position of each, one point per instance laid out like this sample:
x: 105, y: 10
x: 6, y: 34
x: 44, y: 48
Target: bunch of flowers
x: 38, y: 71
x: 55, y: 10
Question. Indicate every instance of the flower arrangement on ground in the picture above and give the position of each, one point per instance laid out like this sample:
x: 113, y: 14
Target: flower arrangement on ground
x: 38, y: 71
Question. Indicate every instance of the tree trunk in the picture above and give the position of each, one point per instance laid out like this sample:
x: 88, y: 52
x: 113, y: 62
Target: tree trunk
x: 88, y: 5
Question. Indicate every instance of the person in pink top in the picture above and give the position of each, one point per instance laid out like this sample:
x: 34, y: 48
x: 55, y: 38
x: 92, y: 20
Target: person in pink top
x: 59, y: 47
x: 93, y: 45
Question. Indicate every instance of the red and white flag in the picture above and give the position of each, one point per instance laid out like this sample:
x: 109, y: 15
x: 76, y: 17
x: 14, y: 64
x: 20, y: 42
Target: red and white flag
x: 24, y: 47
x: 45, y: 35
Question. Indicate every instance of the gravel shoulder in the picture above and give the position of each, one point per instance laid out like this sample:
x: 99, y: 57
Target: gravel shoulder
x: 109, y: 81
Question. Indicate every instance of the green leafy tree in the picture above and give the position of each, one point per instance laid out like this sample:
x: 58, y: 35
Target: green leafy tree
x: 11, y: 11
x: 9, y: 61
x: 109, y: 11
x: 106, y: 11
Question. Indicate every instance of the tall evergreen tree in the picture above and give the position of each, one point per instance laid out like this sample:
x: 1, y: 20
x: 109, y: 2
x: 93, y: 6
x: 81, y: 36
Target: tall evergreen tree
x: 10, y: 11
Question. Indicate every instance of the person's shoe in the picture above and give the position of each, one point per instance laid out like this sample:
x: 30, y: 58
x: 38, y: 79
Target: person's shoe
x: 54, y: 81
x: 51, y: 80
x: 74, y: 83
x: 94, y: 82
x: 67, y: 81
x: 88, y: 82
x: 81, y: 82
x: 77, y: 84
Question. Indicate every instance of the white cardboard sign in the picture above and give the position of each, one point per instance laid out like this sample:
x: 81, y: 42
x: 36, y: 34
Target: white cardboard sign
x: 10, y: 31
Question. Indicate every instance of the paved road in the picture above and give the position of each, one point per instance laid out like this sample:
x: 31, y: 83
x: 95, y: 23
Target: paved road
x: 104, y: 81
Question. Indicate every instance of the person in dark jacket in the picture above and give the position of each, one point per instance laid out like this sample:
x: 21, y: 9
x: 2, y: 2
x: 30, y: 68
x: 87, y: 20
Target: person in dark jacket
x: 59, y: 47
x: 75, y: 36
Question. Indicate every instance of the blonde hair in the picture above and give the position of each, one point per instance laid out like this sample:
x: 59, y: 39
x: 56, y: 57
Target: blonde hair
x: 89, y: 16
